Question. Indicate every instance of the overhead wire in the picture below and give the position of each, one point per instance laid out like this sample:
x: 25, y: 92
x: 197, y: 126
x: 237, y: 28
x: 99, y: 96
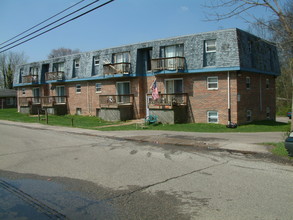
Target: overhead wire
x: 50, y: 24
x: 42, y: 22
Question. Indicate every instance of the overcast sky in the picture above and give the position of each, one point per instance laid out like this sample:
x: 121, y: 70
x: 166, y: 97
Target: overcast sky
x: 118, y: 23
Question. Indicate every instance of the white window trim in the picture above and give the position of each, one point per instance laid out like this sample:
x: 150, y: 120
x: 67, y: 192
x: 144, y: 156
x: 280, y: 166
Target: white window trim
x: 213, y: 117
x: 208, y: 83
x: 165, y: 83
x: 206, y: 46
x: 96, y: 59
x: 76, y: 88
x: 249, y: 79
x: 99, y: 87
x: 76, y: 63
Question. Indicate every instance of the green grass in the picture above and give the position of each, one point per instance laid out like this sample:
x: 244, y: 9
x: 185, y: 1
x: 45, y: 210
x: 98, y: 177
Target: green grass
x: 261, y: 126
x: 91, y: 122
x: 278, y: 149
x: 66, y: 120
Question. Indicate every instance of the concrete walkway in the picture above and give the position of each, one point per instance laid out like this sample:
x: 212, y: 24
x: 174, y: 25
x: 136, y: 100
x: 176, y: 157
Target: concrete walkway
x: 237, y: 142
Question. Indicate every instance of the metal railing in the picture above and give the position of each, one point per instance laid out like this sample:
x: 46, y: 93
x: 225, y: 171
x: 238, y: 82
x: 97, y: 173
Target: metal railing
x: 169, y: 63
x: 174, y: 99
x: 59, y: 75
x: 116, y: 68
x: 30, y: 79
x: 116, y: 100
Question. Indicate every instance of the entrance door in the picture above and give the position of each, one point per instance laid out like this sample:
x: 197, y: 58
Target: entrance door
x: 60, y: 90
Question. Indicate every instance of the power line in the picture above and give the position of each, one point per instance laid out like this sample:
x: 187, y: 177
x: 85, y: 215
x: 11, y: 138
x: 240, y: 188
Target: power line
x: 42, y: 22
x: 58, y: 25
x: 50, y: 24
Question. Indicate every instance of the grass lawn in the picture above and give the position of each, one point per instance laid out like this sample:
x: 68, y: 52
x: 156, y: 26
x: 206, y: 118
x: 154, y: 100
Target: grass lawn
x: 91, y: 122
x: 279, y: 149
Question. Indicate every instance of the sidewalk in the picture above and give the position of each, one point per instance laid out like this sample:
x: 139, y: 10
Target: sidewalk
x: 237, y: 142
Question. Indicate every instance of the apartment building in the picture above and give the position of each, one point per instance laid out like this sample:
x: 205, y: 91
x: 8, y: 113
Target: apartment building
x: 215, y: 77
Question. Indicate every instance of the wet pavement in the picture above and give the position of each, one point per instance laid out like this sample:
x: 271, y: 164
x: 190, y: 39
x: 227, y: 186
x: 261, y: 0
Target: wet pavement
x: 32, y: 197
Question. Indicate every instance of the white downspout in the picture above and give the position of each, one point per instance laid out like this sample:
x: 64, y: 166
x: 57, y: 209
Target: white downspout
x: 229, y: 99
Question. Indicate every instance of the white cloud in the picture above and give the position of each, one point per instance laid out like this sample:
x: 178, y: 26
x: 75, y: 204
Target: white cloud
x: 184, y: 8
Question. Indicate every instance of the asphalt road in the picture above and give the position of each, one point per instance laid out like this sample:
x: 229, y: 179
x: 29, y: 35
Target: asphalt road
x: 65, y: 175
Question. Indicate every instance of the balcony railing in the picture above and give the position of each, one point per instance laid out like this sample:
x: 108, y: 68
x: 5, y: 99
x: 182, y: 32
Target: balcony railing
x: 30, y: 79
x: 59, y: 75
x: 168, y: 101
x: 25, y: 101
x: 169, y: 63
x: 116, y: 68
x: 116, y: 100
x: 48, y: 101
x: 44, y: 101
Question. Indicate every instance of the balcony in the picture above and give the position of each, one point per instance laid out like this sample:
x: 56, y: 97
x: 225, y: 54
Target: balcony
x: 44, y: 101
x: 168, y: 101
x: 30, y: 79
x: 59, y: 75
x: 116, y: 101
x: 116, y: 68
x: 169, y: 63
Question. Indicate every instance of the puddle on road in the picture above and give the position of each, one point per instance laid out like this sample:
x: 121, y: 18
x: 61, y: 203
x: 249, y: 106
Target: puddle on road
x: 39, y: 199
x: 27, y: 196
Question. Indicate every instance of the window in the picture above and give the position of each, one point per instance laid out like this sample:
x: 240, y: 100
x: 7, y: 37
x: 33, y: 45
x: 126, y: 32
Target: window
x: 174, y: 86
x: 34, y: 71
x: 98, y: 87
x: 123, y: 57
x: 210, y: 46
x: 248, y: 115
x: 96, y: 60
x: 76, y: 63
x: 78, y: 111
x: 36, y: 95
x: 10, y: 101
x: 23, y: 91
x: 213, y: 117
x: 123, y: 89
x: 267, y: 83
x: 58, y: 67
x: 78, y: 88
x: 60, y: 90
x: 172, y: 51
x: 212, y: 83
x: 268, y: 112
x: 247, y: 82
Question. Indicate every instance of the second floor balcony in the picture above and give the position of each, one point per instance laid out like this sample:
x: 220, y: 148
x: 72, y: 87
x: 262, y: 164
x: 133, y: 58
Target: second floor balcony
x: 59, y: 75
x: 30, y: 79
x: 115, y: 101
x: 116, y: 68
x: 168, y: 63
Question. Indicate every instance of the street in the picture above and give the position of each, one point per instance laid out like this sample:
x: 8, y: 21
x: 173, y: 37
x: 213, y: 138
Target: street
x: 76, y: 176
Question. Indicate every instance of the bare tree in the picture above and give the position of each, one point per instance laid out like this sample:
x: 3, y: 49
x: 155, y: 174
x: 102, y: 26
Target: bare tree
x: 62, y: 52
x: 278, y: 26
x: 8, y: 63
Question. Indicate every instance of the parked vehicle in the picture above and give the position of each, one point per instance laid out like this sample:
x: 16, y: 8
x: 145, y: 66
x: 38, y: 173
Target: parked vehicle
x: 289, y: 144
x: 289, y: 114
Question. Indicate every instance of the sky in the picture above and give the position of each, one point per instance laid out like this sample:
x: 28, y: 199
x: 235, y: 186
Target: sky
x: 118, y: 23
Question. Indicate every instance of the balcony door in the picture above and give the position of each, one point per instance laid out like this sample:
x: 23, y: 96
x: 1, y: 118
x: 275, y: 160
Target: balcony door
x: 60, y: 91
x: 36, y: 95
x: 123, y: 88
x: 173, y: 86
